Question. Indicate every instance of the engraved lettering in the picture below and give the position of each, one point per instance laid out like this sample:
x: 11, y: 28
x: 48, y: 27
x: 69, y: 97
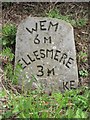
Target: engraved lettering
x: 51, y: 71
x: 47, y: 39
x: 64, y: 56
x: 33, y: 29
x: 56, y: 55
x: 40, y: 71
x: 53, y: 25
x: 36, y: 55
x: 42, y: 53
x: 72, y: 84
x: 49, y: 51
x: 32, y: 60
x: 42, y: 25
x: 65, y: 85
x: 36, y: 40
x: 26, y: 62
x: 70, y: 60
x: 23, y: 67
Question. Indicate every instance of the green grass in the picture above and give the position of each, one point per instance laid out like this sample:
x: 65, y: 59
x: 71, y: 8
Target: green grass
x: 83, y: 56
x: 8, y: 35
x: 71, y: 104
x: 76, y: 23
x: 83, y: 73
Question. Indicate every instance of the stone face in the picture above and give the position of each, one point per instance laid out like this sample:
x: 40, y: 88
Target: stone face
x: 45, y: 47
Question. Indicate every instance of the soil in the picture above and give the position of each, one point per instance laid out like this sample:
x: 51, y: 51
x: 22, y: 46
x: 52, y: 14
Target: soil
x: 16, y: 12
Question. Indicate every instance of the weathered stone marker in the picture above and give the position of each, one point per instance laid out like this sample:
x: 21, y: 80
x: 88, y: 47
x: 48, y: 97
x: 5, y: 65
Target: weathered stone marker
x: 45, y: 47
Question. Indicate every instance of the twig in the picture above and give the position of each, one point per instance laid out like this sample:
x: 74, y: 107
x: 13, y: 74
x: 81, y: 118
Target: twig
x: 3, y: 85
x: 2, y: 100
x: 12, y: 88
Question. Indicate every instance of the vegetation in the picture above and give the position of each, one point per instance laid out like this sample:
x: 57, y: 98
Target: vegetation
x: 9, y: 35
x: 17, y: 103
x: 83, y: 73
x: 76, y: 23
x: 71, y: 104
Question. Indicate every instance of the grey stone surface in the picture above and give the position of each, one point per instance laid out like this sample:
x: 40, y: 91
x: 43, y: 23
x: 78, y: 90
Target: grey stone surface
x: 45, y: 47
